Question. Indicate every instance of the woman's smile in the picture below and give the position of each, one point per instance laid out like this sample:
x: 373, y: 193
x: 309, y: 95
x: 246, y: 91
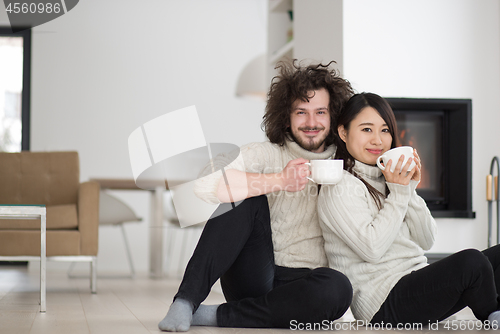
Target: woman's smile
x: 375, y: 151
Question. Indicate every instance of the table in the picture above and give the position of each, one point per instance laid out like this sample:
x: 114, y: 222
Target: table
x: 156, y: 223
x: 31, y: 212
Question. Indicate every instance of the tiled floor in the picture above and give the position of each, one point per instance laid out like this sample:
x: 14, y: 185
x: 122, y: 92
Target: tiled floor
x: 121, y: 305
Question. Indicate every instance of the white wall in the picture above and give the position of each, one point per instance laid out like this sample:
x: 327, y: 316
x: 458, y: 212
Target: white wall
x: 439, y: 49
x: 106, y: 67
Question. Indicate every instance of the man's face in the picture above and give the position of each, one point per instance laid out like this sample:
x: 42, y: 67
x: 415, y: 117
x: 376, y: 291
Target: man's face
x: 310, y: 121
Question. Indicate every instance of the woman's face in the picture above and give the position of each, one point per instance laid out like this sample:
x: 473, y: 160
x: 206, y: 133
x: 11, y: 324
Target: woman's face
x: 368, y: 136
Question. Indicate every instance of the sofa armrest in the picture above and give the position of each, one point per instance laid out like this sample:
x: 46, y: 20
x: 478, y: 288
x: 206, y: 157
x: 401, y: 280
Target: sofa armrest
x: 88, y: 217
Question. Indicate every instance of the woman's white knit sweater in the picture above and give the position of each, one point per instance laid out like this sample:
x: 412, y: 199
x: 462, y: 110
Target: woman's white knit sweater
x: 374, y: 248
x: 297, y: 237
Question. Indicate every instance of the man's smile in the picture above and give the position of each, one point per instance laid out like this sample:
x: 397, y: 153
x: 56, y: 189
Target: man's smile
x: 311, y: 132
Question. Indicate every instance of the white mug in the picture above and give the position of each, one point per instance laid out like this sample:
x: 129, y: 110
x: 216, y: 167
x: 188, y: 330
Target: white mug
x: 326, y: 171
x: 394, y: 155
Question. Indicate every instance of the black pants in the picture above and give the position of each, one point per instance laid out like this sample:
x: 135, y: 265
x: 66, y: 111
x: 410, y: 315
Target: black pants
x: 236, y: 247
x: 468, y: 278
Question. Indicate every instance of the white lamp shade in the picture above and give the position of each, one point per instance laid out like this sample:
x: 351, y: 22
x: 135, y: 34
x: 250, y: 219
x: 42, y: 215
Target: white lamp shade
x: 252, y: 80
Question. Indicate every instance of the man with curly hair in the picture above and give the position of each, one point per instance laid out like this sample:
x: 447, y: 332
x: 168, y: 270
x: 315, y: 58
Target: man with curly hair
x: 264, y: 241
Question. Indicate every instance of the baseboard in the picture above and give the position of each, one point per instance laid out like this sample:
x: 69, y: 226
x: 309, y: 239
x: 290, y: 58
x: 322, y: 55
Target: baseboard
x: 14, y: 263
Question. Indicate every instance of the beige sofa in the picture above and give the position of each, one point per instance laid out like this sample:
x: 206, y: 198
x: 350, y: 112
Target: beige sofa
x: 52, y: 179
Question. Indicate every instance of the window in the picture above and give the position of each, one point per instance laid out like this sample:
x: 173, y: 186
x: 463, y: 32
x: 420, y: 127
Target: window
x: 15, y: 59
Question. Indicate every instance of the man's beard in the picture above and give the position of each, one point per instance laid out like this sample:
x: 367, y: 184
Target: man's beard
x: 309, y: 145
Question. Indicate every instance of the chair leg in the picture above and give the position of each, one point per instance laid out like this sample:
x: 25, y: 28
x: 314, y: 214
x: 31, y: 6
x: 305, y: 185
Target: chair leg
x: 93, y: 274
x: 182, y: 255
x: 170, y: 240
x: 70, y: 269
x: 129, y: 255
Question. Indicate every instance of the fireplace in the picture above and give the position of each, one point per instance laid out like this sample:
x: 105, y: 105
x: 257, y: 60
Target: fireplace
x: 441, y: 131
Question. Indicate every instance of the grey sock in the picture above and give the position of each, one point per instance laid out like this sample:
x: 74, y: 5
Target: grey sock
x: 179, y: 316
x: 205, y: 315
x: 495, y: 316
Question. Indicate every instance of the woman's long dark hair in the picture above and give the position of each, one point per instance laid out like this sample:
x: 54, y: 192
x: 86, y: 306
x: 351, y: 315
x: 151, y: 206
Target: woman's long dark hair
x: 351, y: 109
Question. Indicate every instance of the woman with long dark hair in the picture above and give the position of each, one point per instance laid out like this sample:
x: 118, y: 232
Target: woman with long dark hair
x: 376, y: 229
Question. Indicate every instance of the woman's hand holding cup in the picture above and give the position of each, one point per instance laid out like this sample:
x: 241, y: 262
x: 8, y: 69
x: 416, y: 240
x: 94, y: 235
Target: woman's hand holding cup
x: 399, y: 175
x: 405, y: 169
x: 417, y: 176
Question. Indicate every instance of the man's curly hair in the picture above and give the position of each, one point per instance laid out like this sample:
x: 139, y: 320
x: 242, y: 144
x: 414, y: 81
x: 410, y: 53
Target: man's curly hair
x: 295, y: 82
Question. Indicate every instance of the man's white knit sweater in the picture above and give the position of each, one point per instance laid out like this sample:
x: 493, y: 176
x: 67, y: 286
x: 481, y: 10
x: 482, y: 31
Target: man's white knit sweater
x: 297, y: 237
x: 374, y: 248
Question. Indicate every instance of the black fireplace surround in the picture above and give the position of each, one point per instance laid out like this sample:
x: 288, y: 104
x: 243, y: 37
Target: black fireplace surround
x: 441, y: 131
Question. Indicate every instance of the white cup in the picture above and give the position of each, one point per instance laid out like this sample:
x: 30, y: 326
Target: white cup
x: 326, y: 171
x: 394, y: 155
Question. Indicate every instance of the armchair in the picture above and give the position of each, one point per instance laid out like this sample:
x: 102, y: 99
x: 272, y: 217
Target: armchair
x: 51, y: 179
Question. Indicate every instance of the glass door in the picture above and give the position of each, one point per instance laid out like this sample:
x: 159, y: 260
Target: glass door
x: 15, y: 59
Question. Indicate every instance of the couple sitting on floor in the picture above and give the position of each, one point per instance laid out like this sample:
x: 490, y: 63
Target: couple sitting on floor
x: 289, y: 251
